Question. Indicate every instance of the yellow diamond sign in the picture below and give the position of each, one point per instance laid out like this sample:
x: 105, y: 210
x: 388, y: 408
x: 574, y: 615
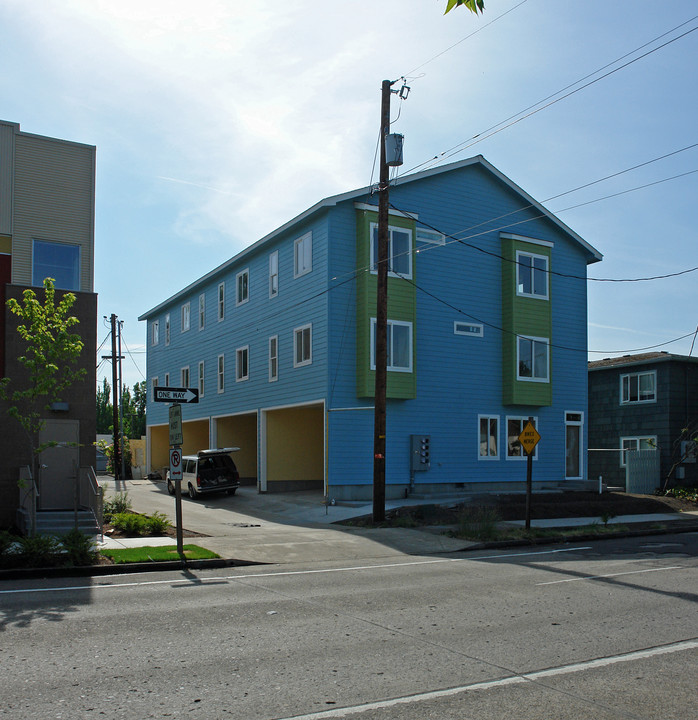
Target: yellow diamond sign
x: 529, y: 438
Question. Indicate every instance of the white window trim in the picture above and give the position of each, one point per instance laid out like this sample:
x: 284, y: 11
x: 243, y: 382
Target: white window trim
x: 653, y: 438
x: 202, y: 311
x: 430, y: 237
x: 487, y: 457
x: 546, y: 342
x: 201, y: 378
x: 391, y: 323
x: 186, y: 317
x: 307, y: 238
x: 220, y: 374
x: 273, y: 260
x: 241, y: 274
x: 181, y: 376
x: 580, y: 424
x: 480, y: 329
x: 274, y: 377
x: 220, y: 301
x: 523, y: 419
x: 637, y: 375
x: 391, y: 228
x: 535, y: 296
x: 155, y: 332
x: 238, y: 351
x: 168, y: 328
x: 299, y: 332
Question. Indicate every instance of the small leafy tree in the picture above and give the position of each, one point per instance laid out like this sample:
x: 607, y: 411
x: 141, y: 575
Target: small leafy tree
x: 50, y: 357
x: 105, y: 412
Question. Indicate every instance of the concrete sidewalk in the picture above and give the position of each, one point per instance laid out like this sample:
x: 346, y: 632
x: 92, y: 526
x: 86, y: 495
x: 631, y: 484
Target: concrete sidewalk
x: 298, y: 527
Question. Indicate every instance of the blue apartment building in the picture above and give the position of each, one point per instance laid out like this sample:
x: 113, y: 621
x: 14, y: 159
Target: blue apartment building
x: 487, y: 327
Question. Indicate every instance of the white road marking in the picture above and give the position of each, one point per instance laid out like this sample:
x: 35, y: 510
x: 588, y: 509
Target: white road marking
x: 280, y: 573
x: 596, y: 577
x: 493, y: 684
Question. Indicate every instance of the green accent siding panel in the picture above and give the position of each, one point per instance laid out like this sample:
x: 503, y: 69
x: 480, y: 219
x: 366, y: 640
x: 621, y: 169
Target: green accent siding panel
x: 527, y: 316
x: 402, y: 305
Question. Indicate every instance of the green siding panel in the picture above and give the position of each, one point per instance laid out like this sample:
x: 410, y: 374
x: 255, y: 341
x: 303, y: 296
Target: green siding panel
x: 523, y: 316
x: 402, y: 305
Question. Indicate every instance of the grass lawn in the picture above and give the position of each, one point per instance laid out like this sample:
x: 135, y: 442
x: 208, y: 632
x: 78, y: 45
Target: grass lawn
x: 157, y: 554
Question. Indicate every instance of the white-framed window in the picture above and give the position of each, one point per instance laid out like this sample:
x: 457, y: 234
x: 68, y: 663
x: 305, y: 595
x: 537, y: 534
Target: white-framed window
x: 273, y: 358
x: 274, y: 274
x: 574, y: 431
x: 221, y: 301
x: 242, y: 287
x: 471, y: 329
x: 186, y: 317
x: 303, y: 255
x: 185, y: 377
x: 399, y: 251
x: 639, y: 387
x: 531, y: 275
x: 202, y: 311
x: 155, y: 332
x: 57, y: 260
x: 641, y: 442
x: 515, y: 426
x: 432, y: 237
x: 153, y: 384
x: 167, y: 329
x: 242, y: 363
x: 533, y: 359
x: 399, y: 345
x: 303, y: 345
x: 201, y: 378
x: 221, y: 373
x: 488, y: 437
x: 167, y: 379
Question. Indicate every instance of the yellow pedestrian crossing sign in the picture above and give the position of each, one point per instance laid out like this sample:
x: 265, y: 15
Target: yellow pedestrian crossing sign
x: 529, y: 438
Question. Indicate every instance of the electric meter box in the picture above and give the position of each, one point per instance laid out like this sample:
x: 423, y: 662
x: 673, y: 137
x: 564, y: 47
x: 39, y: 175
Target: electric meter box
x: 420, y: 460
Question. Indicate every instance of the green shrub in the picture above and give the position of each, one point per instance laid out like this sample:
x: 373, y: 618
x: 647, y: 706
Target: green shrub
x: 158, y: 523
x: 479, y: 523
x: 131, y: 523
x: 684, y: 493
x: 6, y: 541
x: 8, y: 554
x: 120, y: 503
x: 80, y: 548
x: 39, y: 551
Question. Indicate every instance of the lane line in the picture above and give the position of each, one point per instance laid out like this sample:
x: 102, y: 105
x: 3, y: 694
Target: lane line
x: 281, y: 573
x: 494, y: 684
x: 610, y: 575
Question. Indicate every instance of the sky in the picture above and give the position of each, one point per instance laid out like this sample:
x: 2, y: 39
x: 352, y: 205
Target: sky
x: 216, y: 122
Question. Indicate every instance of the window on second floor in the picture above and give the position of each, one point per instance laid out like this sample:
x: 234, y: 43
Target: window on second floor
x: 273, y: 358
x: 202, y: 311
x: 242, y: 363
x: 399, y: 251
x: 155, y: 332
x: 399, y: 345
x: 640, y: 387
x: 167, y: 329
x: 221, y: 301
x: 533, y: 359
x: 221, y: 373
x: 303, y: 346
x: 60, y: 261
x: 186, y: 317
x: 242, y: 283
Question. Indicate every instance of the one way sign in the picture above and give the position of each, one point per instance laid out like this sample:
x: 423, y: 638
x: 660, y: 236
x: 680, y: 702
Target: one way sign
x: 177, y: 395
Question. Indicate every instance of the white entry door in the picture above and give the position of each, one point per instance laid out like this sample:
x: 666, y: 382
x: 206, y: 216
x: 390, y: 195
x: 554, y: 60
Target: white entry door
x: 57, y: 475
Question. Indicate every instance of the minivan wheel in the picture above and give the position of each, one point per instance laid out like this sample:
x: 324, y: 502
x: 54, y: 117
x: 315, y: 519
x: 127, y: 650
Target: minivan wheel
x: 231, y: 491
x: 170, y: 487
x: 192, y: 493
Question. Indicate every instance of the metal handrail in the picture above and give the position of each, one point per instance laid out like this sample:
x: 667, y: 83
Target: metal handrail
x: 92, y: 495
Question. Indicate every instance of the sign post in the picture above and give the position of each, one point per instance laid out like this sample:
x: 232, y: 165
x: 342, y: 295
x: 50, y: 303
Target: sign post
x: 529, y: 438
x: 176, y: 477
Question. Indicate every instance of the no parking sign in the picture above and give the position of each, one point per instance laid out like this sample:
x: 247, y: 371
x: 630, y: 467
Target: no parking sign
x: 175, y: 464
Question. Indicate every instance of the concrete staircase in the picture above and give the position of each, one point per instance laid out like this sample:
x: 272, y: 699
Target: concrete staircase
x: 59, y: 522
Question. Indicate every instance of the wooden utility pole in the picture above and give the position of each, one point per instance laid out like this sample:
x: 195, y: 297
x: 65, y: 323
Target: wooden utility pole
x: 381, y: 351
x: 115, y: 401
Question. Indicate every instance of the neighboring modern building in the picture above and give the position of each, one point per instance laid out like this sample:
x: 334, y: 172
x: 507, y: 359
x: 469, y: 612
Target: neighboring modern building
x: 643, y: 402
x: 47, y: 199
x: 487, y: 327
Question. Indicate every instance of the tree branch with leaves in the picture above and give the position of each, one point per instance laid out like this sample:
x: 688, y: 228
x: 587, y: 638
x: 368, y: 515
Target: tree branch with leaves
x: 475, y: 6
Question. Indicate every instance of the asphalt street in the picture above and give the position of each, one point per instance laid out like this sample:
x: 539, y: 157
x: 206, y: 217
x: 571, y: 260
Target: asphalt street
x: 596, y: 630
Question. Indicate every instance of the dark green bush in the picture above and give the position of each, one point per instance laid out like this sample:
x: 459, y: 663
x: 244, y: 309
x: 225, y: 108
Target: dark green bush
x: 158, y: 523
x: 79, y: 548
x: 131, y: 523
x: 39, y: 551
